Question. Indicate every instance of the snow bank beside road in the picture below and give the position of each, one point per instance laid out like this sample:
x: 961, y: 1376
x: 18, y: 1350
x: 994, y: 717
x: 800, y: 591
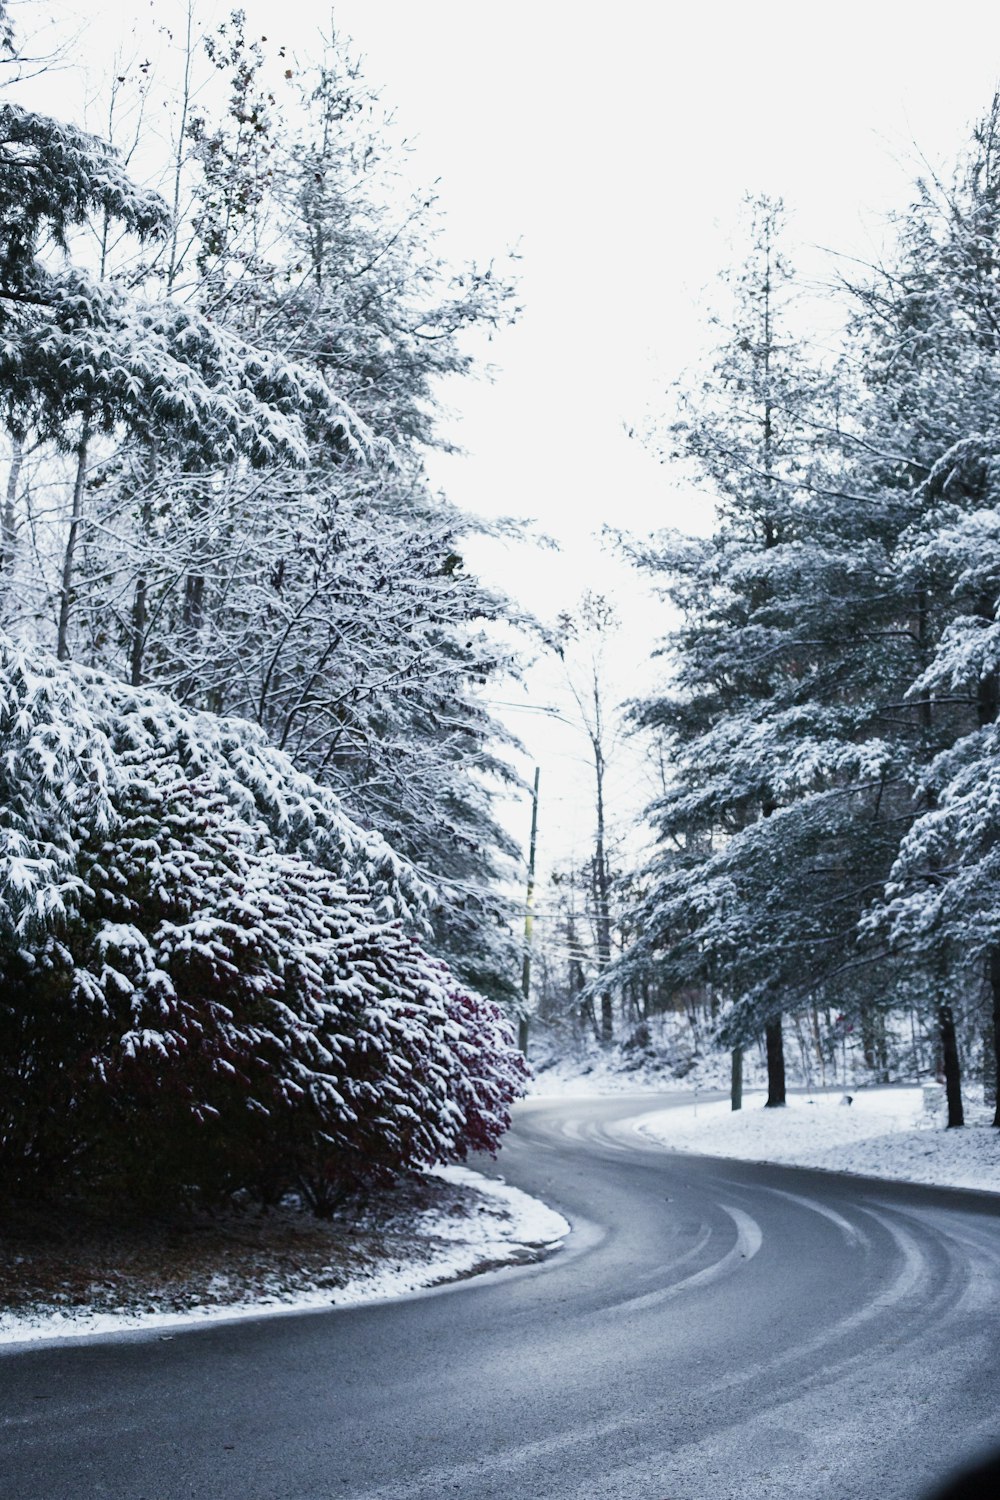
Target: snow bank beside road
x: 509, y: 1228
x: 488, y: 1225
x: 883, y: 1133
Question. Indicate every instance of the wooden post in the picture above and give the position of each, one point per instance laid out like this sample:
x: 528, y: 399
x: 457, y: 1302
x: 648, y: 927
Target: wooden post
x: 522, y: 1029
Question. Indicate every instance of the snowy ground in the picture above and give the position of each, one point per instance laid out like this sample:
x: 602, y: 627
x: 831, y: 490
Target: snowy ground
x: 885, y: 1132
x: 668, y: 1052
x: 611, y: 1073
x: 479, y: 1224
x: 670, y: 1059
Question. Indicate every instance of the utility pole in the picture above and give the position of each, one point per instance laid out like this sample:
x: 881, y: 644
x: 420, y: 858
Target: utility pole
x: 522, y: 1029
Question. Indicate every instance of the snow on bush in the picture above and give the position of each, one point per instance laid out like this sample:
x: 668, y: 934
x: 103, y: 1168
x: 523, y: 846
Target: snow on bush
x: 204, y: 980
x: 70, y: 737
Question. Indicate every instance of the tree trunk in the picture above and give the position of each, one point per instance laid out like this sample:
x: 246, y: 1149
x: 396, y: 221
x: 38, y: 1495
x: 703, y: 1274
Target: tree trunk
x: 868, y: 1041
x: 607, y: 1019
x: 582, y: 1009
x: 192, y: 620
x: 952, y: 1072
x: 602, y: 895
x: 190, y: 684
x: 138, y: 629
x: 141, y: 595
x: 818, y: 1044
x: 989, y: 1062
x: 988, y: 697
x: 874, y: 1042
x: 775, y: 1065
x: 69, y: 556
x: 589, y: 1019
x: 772, y: 1031
x: 8, y: 536
x: 995, y: 987
x: 736, y: 1082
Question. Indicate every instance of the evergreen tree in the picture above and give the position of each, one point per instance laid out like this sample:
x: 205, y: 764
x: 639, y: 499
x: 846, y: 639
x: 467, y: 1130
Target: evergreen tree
x: 234, y: 533
x: 735, y: 704
x: 205, y: 982
x: 836, y: 686
x: 938, y: 320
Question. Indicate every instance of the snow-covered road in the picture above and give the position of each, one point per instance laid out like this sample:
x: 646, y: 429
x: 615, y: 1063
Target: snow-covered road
x: 712, y: 1329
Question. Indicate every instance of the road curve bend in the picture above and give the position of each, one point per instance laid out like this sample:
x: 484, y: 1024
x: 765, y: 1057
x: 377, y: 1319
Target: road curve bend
x: 712, y: 1329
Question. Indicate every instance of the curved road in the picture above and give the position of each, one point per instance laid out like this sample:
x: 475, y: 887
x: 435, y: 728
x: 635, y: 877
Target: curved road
x: 712, y: 1329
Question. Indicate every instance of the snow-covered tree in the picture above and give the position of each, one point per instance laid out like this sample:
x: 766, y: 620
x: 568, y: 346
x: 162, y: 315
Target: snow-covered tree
x: 936, y: 402
x: 738, y: 723
x: 232, y: 532
x: 80, y: 356
x: 827, y: 834
x: 373, y: 638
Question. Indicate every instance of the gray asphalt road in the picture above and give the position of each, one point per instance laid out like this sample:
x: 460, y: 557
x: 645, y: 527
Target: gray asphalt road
x: 714, y: 1329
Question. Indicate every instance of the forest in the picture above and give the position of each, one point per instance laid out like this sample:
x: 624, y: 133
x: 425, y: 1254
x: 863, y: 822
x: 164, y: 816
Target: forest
x: 260, y: 919
x: 499, y: 751
x: 825, y: 830
x: 253, y: 928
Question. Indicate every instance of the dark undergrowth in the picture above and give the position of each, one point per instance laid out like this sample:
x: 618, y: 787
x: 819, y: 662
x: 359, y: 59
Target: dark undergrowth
x: 111, y: 1260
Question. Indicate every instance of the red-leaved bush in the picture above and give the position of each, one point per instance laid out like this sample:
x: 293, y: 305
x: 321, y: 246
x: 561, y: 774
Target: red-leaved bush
x: 210, y: 1011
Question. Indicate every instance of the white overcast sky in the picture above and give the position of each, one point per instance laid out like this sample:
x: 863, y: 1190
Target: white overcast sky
x: 613, y: 145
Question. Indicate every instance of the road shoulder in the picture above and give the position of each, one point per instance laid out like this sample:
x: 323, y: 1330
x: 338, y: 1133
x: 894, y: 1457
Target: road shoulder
x: 62, y: 1281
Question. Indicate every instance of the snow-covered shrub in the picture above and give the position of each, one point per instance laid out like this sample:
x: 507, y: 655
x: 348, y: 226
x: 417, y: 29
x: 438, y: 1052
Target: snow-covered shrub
x: 68, y: 736
x: 57, y: 766
x: 189, y: 1002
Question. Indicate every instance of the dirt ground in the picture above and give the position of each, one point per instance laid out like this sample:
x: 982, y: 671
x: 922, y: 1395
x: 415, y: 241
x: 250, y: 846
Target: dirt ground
x: 53, y: 1260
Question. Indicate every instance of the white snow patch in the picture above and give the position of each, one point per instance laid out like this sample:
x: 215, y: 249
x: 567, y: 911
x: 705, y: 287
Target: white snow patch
x: 509, y: 1227
x: 672, y: 1064
x: 519, y: 1219
x: 884, y: 1133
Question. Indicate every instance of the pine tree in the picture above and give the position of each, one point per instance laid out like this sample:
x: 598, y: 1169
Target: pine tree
x: 710, y: 916
x: 836, y: 683
x: 234, y: 534
x: 939, y: 317
x: 352, y: 631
